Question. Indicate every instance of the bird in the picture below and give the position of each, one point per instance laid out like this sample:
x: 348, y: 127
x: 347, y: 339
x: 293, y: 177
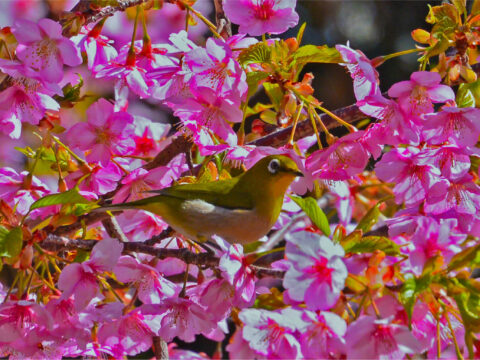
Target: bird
x: 240, y: 210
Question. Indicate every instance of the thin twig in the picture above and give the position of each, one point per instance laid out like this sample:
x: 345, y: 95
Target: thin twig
x: 57, y: 243
x: 224, y: 26
x: 160, y: 348
x: 114, y: 230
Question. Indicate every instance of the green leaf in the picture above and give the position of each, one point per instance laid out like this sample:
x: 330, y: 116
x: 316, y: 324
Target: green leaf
x: 11, y: 242
x: 410, y: 290
x: 253, y: 80
x: 68, y: 197
x: 368, y: 244
x: 317, y: 54
x: 82, y: 255
x: 275, y: 94
x: 300, y: 33
x: 256, y: 54
x: 369, y: 219
x: 71, y: 94
x: 467, y: 257
x: 472, y: 89
x: 465, y: 96
x: 310, y: 207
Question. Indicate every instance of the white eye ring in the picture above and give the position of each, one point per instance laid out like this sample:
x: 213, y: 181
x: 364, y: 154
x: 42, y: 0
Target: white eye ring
x: 274, y: 166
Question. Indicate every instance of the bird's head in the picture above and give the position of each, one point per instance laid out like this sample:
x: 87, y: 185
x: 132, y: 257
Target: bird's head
x: 275, y: 172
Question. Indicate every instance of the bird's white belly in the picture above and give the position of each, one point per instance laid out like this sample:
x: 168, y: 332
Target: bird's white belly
x: 235, y: 226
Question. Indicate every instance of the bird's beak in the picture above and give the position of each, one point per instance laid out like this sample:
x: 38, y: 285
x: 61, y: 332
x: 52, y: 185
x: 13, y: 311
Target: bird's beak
x: 298, y: 173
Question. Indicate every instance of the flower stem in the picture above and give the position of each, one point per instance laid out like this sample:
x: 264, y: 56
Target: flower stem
x: 207, y: 22
x: 350, y: 127
x: 295, y: 121
x: 454, y: 338
x: 401, y: 53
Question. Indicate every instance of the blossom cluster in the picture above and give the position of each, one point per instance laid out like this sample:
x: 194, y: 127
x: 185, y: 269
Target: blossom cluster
x: 318, y: 286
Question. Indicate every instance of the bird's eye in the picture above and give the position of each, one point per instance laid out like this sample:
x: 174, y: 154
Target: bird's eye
x: 274, y: 166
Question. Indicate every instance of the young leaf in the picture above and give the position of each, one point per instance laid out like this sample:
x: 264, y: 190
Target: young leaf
x: 411, y: 288
x: 11, y: 241
x: 317, y: 54
x: 310, y: 207
x: 255, y: 54
x: 369, y: 244
x: 68, y: 197
x: 369, y: 219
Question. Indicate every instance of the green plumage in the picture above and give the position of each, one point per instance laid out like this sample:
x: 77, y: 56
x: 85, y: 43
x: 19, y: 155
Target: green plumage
x: 241, y: 209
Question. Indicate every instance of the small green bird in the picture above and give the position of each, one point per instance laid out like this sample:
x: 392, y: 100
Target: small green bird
x: 240, y: 210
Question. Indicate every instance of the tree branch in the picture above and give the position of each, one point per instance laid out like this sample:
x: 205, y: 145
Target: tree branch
x: 224, y: 26
x: 304, y: 128
x: 160, y: 348
x: 57, y: 243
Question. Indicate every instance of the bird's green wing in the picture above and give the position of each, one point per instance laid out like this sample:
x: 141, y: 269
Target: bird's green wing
x: 220, y: 193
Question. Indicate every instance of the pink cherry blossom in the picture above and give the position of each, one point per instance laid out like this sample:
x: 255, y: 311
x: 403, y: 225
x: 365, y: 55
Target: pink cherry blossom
x: 413, y: 177
x: 128, y: 335
x: 152, y: 287
x: 345, y: 158
x: 217, y: 296
x: 322, y: 337
x: 459, y: 126
x: 417, y: 95
x: 433, y: 238
x: 369, y: 338
x: 180, y: 318
x: 395, y: 126
x: 317, y: 273
x: 101, y: 179
x: 137, y: 184
x: 150, y: 137
x: 80, y: 279
x: 21, y: 190
x: 214, y: 67
x: 141, y: 225
x: 207, y: 109
x: 364, y: 75
x: 236, y: 270
x: 460, y: 196
x: 239, y: 349
x: 273, y: 333
x: 257, y: 17
x: 106, y: 132
x: 26, y: 100
x: 99, y: 48
x: 453, y: 161
x: 43, y: 48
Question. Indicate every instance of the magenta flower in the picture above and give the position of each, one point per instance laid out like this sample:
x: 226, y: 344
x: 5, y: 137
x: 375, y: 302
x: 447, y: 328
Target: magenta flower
x: 413, y: 177
x: 322, y: 338
x: 258, y: 17
x: 396, y: 127
x: 239, y: 349
x: 141, y: 225
x: 236, y: 270
x: 273, y: 333
x: 102, y: 179
x: 453, y: 161
x: 26, y: 100
x: 151, y: 286
x: 215, y: 67
x: 150, y: 137
x: 369, y: 338
x: 80, y: 279
x: 417, y: 95
x: 137, y: 184
x: 21, y: 190
x: 207, y: 109
x: 433, y: 238
x: 43, y: 48
x: 340, y: 161
x: 106, y: 133
x: 128, y: 335
x: 217, y: 297
x: 180, y: 318
x: 317, y: 273
x: 364, y: 75
x: 98, y: 47
x: 459, y: 126
x: 461, y: 196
